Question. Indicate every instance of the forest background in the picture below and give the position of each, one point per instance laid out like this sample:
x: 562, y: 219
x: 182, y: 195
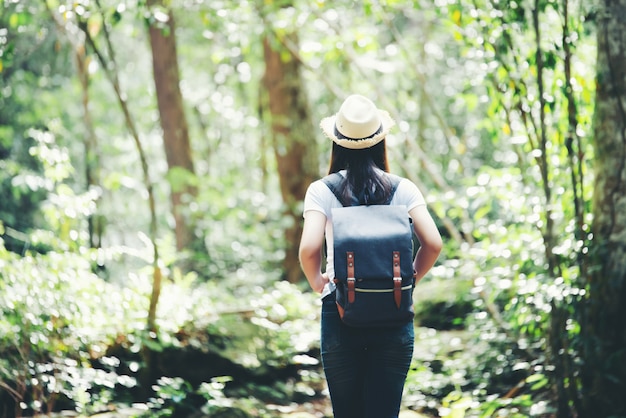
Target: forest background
x: 154, y: 155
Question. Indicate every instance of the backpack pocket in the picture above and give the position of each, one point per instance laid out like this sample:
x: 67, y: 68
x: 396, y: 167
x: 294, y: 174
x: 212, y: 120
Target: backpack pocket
x: 377, y: 304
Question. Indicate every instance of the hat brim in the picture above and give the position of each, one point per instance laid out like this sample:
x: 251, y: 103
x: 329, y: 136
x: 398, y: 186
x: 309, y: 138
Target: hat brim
x: 328, y: 128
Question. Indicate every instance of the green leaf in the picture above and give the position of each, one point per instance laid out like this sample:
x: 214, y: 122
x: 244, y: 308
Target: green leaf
x: 181, y: 178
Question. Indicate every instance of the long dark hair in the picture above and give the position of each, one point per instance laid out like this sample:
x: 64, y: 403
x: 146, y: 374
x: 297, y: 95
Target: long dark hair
x: 363, y: 181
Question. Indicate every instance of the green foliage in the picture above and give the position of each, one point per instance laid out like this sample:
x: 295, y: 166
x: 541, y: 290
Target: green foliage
x: 243, y: 232
x: 503, y: 365
x: 31, y: 68
x: 173, y: 395
x: 56, y: 315
x: 59, y: 319
x: 170, y: 393
x: 461, y: 80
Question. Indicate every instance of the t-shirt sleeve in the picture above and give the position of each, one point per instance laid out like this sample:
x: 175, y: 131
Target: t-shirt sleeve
x: 408, y: 194
x: 315, y: 197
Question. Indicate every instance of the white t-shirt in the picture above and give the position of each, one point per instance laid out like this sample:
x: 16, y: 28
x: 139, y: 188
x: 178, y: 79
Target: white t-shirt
x: 320, y: 198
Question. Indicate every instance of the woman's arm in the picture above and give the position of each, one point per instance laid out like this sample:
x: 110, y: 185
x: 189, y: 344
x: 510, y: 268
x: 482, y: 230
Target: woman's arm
x: 429, y: 238
x: 310, y: 252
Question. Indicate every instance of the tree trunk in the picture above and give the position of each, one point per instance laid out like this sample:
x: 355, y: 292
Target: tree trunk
x: 603, y: 327
x: 293, y: 141
x: 173, y: 123
x: 95, y: 222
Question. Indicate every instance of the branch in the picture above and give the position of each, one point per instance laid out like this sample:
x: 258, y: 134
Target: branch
x: 576, y: 170
x: 110, y: 70
x: 545, y: 169
x: 13, y: 392
x: 425, y: 162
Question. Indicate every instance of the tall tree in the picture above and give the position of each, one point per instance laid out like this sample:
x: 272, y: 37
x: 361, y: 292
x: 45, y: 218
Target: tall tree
x: 603, y: 328
x: 292, y: 136
x: 26, y: 60
x: 172, y: 117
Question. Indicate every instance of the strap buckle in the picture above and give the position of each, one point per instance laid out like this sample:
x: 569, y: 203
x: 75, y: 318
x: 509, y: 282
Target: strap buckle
x: 397, y: 279
x: 351, y: 279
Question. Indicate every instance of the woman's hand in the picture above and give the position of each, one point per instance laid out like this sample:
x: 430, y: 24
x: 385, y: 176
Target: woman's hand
x: 325, y: 280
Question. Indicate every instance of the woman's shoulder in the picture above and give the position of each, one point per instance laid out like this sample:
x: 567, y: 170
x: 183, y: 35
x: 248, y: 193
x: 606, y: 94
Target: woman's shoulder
x: 407, y: 192
x: 395, y: 177
x: 319, y: 197
x: 316, y: 186
x: 403, y: 182
x: 319, y: 188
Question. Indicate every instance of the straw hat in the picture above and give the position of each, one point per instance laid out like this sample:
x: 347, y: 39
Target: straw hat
x: 358, y: 124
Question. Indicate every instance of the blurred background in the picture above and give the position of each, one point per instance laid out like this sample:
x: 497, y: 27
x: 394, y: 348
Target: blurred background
x: 154, y: 155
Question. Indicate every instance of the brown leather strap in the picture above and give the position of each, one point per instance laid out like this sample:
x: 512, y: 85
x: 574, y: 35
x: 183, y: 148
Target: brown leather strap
x: 351, y: 280
x: 397, y: 279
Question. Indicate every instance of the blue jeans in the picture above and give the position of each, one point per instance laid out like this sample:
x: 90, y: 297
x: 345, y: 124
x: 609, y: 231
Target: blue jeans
x: 365, y: 367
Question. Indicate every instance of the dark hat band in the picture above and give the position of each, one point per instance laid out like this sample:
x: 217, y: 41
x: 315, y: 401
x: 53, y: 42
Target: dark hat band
x: 339, y: 135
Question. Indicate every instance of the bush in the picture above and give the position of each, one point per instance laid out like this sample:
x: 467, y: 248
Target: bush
x: 71, y: 340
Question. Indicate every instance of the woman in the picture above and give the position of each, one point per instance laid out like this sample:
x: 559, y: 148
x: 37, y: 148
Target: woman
x: 365, y: 367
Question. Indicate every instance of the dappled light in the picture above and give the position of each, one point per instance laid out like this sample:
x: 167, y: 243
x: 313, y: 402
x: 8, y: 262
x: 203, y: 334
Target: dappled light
x: 154, y: 157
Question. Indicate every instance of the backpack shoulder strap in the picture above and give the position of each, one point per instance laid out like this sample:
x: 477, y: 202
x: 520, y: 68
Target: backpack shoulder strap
x: 332, y: 181
x: 395, y: 182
